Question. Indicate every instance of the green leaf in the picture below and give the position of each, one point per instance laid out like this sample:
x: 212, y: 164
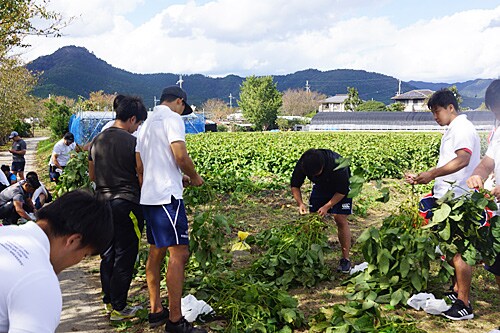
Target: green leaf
x: 445, y: 233
x: 404, y: 267
x: 441, y: 213
x: 416, y: 281
x: 396, y: 297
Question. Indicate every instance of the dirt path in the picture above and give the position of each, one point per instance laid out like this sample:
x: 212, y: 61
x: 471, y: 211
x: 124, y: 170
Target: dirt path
x: 82, y: 309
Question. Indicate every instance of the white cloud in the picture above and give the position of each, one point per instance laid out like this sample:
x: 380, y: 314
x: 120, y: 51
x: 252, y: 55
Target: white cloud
x: 262, y: 37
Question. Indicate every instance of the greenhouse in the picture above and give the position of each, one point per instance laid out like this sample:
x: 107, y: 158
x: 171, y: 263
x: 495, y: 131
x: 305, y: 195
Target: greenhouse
x: 85, y: 125
x: 383, y: 121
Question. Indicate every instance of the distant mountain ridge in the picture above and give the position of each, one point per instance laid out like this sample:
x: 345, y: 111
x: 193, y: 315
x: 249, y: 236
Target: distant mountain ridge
x: 74, y: 71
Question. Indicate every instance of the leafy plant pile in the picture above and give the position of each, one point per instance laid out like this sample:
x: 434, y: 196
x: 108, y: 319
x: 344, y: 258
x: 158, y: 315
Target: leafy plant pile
x: 399, y: 255
x: 357, y: 317
x: 253, y: 298
x: 75, y: 175
x: 294, y: 253
x: 462, y: 228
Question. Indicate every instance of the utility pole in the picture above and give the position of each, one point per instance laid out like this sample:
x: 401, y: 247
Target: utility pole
x: 231, y: 100
x: 155, y: 100
x: 308, y: 87
x: 180, y: 81
x: 399, y: 88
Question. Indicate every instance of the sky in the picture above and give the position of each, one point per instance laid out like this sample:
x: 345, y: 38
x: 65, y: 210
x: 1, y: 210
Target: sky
x: 426, y: 40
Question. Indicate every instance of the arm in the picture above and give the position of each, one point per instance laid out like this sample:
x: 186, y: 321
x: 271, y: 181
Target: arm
x: 297, y: 195
x: 481, y: 173
x: 18, y: 152
x: 18, y: 205
x: 139, y: 167
x: 332, y: 202
x: 91, y: 171
x: 54, y: 160
x: 185, y: 163
x: 458, y: 163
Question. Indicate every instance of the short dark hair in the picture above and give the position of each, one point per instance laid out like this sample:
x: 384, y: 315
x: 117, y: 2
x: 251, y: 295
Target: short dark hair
x: 79, y: 212
x: 69, y: 136
x: 443, y: 98
x: 5, y: 168
x: 312, y: 161
x: 492, y: 95
x: 168, y: 98
x: 32, y: 180
x: 131, y: 106
x: 117, y: 100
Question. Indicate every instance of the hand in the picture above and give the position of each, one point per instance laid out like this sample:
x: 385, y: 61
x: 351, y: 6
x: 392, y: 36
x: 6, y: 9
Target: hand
x: 323, y: 210
x: 186, y: 181
x: 303, y: 209
x: 423, y: 178
x: 197, y: 181
x: 496, y: 192
x: 475, y: 181
x: 410, y: 178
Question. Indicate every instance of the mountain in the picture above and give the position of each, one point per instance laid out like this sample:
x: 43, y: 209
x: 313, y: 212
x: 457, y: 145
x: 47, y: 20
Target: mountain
x: 74, y: 71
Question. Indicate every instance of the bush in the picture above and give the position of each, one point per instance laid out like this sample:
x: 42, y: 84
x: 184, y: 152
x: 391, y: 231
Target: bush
x: 24, y: 129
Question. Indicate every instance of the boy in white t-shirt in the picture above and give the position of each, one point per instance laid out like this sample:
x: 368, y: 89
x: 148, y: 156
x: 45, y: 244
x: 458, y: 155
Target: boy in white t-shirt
x: 61, y: 155
x: 459, y: 154
x: 491, y: 161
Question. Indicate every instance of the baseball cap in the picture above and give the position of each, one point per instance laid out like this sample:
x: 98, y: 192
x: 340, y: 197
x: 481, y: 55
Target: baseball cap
x: 69, y: 136
x: 179, y: 93
x: 13, y: 134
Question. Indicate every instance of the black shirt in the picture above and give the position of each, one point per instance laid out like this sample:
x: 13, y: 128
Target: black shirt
x: 113, y: 154
x: 330, y: 181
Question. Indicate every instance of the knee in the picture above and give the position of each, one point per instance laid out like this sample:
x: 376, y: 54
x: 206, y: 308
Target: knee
x: 179, y: 256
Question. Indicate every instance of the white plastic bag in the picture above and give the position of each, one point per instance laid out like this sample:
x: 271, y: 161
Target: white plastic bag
x: 191, y: 308
x: 359, y: 268
x: 418, y: 301
x: 435, y: 306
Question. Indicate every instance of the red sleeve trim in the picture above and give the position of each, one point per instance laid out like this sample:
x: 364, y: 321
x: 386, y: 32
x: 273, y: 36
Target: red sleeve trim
x: 467, y: 150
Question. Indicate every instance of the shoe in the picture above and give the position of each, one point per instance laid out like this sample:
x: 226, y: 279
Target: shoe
x: 182, y: 326
x: 108, y: 308
x: 157, y: 319
x: 344, y: 265
x: 459, y: 311
x: 451, y: 295
x: 127, y: 313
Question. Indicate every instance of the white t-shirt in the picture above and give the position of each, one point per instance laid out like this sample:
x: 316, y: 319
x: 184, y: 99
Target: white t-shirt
x: 39, y: 191
x: 111, y: 123
x: 162, y: 177
x: 63, y: 152
x: 30, y: 296
x: 3, y: 179
x: 460, y: 134
x: 493, y: 152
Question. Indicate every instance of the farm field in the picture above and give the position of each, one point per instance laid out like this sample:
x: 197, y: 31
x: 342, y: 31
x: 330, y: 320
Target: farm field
x: 247, y: 190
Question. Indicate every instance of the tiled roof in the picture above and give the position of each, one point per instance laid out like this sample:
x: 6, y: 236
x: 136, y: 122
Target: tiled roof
x: 414, y: 94
x: 338, y: 99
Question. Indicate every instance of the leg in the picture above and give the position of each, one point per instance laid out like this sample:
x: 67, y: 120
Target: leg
x: 344, y: 233
x: 126, y: 215
x: 106, y: 271
x: 179, y: 254
x: 463, y: 274
x: 153, y: 265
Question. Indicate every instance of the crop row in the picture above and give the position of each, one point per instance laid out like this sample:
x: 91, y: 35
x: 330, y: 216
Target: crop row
x: 269, y: 158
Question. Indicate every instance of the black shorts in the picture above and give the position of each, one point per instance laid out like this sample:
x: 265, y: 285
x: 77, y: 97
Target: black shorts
x: 495, y: 268
x: 17, y: 166
x: 318, y: 200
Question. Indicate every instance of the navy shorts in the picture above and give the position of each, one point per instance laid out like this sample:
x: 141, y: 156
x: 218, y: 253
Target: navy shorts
x: 17, y: 166
x: 495, y: 268
x: 166, y: 225
x: 318, y: 200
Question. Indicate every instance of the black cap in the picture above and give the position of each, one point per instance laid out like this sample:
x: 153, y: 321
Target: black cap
x: 179, y: 93
x: 69, y: 136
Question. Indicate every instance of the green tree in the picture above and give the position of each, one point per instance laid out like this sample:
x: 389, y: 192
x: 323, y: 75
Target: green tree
x: 394, y: 107
x: 260, y: 101
x: 371, y: 106
x: 455, y: 92
x: 59, y: 115
x: 353, y: 100
x: 15, y: 102
x: 17, y: 20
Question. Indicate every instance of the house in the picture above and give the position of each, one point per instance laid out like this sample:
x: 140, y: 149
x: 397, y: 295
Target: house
x: 414, y: 100
x: 333, y: 104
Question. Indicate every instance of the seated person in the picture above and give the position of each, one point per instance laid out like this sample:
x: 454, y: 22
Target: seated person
x: 41, y: 196
x: 10, y: 176
x: 15, y: 200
